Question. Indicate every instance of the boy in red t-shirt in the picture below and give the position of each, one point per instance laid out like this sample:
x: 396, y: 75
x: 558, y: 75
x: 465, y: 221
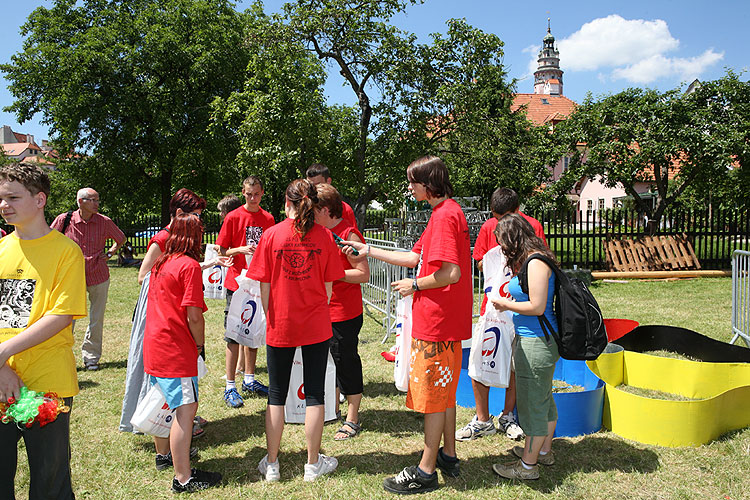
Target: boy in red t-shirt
x: 503, y: 201
x: 317, y: 173
x: 238, y: 238
x: 441, y: 312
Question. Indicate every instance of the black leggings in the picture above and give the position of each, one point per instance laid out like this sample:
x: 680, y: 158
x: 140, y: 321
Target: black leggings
x: 344, y: 352
x: 279, y: 362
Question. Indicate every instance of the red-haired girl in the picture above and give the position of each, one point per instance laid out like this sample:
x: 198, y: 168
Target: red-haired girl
x: 173, y: 339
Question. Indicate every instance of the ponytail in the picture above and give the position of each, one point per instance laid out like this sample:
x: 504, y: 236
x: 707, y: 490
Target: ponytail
x: 304, y: 198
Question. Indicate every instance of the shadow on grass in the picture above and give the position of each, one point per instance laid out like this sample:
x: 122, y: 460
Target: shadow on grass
x: 395, y: 423
x: 591, y: 454
x: 87, y: 384
x: 104, y: 366
x: 375, y: 389
x: 220, y: 432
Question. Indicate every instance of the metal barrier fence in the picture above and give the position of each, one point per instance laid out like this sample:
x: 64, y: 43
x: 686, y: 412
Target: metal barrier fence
x: 378, y: 296
x: 741, y: 296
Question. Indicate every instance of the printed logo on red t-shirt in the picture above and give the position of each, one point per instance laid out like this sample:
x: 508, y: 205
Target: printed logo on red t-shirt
x: 253, y: 234
x: 296, y: 260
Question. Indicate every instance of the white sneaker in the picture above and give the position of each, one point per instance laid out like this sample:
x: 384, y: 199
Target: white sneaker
x: 325, y: 465
x: 269, y: 471
x: 507, y: 423
x: 476, y: 429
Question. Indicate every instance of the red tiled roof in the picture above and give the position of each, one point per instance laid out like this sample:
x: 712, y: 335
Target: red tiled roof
x: 37, y: 160
x: 19, y: 137
x: 556, y: 108
x: 15, y: 148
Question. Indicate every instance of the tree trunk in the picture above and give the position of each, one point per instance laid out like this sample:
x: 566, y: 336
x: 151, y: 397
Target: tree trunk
x: 165, y: 189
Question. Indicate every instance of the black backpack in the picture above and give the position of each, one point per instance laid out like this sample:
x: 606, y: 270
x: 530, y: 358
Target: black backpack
x: 581, y: 334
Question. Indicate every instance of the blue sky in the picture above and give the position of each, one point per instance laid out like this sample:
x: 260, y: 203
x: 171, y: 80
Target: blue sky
x: 605, y: 46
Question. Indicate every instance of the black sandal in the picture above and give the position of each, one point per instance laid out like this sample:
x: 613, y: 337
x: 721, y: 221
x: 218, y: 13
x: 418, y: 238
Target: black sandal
x: 350, y: 429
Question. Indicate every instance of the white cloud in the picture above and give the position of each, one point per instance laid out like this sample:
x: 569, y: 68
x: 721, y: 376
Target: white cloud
x: 635, y: 50
x: 613, y: 41
x: 657, y: 66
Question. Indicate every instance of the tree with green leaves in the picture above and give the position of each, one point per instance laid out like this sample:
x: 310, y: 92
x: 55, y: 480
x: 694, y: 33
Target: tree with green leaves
x: 668, y: 140
x: 278, y: 122
x: 126, y: 88
x: 450, y: 97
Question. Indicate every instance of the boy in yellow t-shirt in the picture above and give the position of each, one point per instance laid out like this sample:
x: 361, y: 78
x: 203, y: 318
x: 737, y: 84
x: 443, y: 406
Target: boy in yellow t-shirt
x: 42, y: 290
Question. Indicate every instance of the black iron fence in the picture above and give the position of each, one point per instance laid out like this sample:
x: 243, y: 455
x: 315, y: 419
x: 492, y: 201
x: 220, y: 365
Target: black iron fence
x: 577, y: 237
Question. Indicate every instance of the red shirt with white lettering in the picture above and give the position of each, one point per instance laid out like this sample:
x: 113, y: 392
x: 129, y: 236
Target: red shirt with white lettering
x: 241, y: 227
x: 169, y: 349
x: 346, y: 301
x: 444, y: 314
x: 298, y: 312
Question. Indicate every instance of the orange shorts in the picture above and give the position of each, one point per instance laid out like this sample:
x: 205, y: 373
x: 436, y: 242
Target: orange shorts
x: 433, y: 376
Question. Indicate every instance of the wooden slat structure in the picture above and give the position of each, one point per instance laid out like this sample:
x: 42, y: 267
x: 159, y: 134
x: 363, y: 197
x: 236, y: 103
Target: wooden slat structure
x: 650, y: 253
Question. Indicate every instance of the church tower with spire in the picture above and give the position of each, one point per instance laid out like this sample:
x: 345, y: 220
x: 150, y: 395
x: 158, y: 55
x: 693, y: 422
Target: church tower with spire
x: 548, y: 78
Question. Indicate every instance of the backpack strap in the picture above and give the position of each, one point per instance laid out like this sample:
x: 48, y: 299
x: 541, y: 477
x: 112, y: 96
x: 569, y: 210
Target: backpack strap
x: 523, y: 280
x: 66, y: 222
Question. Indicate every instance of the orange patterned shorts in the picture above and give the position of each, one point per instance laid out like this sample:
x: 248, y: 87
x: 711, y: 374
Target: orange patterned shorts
x: 433, y: 376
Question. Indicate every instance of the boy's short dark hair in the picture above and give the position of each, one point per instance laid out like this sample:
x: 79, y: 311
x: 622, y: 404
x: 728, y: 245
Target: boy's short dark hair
x: 317, y: 169
x: 504, y: 200
x: 433, y: 174
x: 32, y: 177
x: 228, y: 203
x: 252, y: 180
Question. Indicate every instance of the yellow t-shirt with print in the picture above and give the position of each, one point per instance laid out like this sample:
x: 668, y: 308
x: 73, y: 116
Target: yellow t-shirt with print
x: 39, y: 277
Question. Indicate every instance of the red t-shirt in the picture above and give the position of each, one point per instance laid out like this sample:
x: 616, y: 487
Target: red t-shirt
x: 169, y: 349
x: 348, y: 214
x: 444, y: 314
x: 241, y: 227
x: 346, y: 301
x: 486, y: 240
x: 160, y: 239
x: 298, y: 312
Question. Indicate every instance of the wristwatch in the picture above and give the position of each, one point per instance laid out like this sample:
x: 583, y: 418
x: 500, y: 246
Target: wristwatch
x: 109, y: 255
x: 414, y: 285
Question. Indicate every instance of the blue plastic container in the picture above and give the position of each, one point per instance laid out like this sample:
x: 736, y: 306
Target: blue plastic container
x: 578, y: 413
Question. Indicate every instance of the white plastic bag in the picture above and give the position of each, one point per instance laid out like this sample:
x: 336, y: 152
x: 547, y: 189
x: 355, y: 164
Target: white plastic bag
x: 496, y: 273
x: 202, y: 368
x: 492, y: 337
x: 294, y: 411
x: 214, y: 276
x: 152, y: 415
x: 401, y: 366
x: 491, y: 348
x: 246, y: 320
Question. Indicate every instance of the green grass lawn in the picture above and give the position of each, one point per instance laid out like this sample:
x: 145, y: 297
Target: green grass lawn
x: 111, y: 465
